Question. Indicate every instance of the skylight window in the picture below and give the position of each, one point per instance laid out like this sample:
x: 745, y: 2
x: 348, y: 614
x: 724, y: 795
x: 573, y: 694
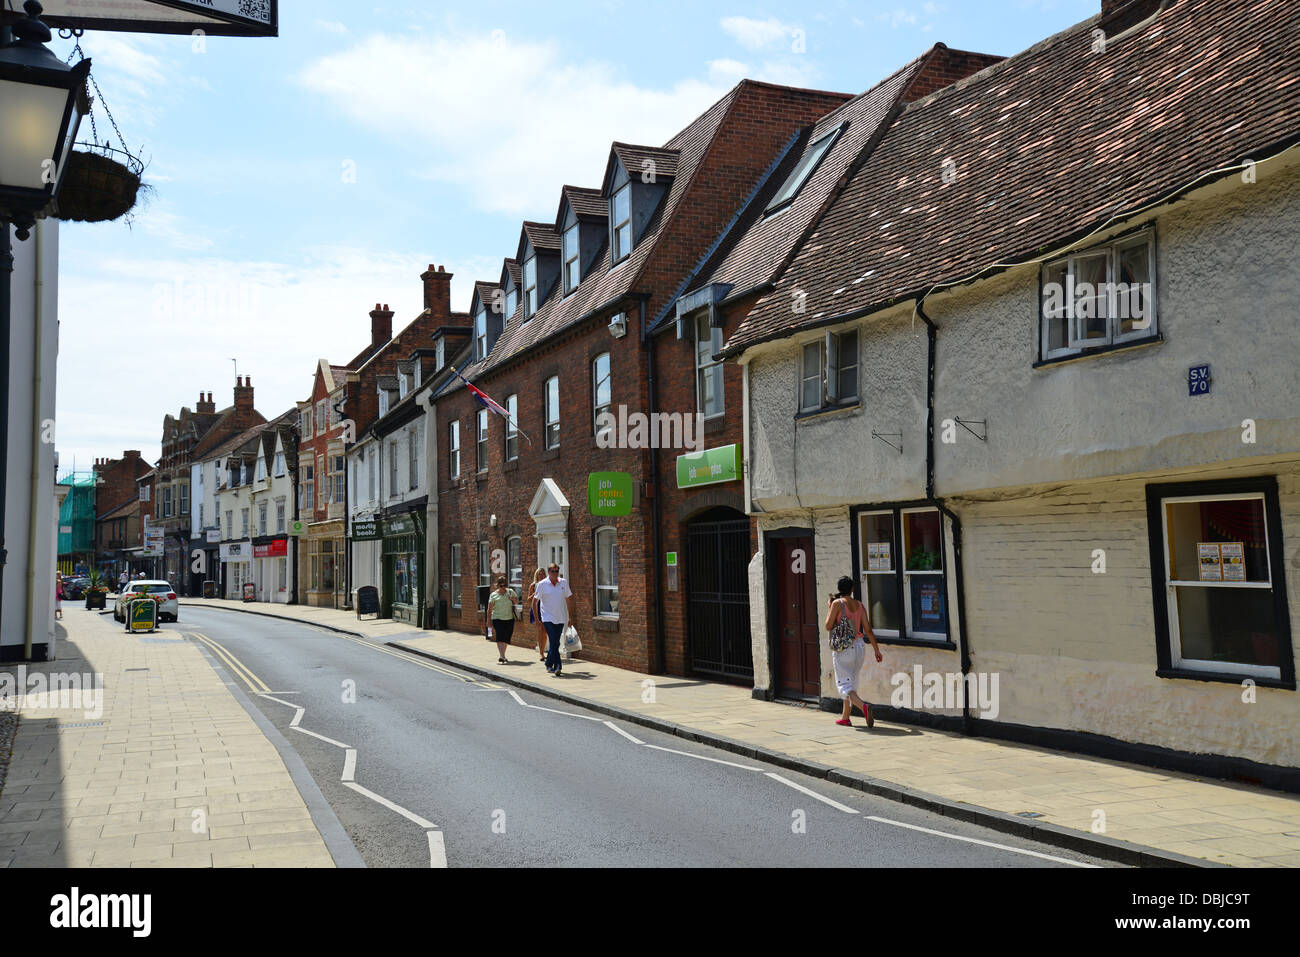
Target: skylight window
x: 811, y: 157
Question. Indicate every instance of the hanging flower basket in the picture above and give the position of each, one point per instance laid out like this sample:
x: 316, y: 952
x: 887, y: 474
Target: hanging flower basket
x: 97, y: 187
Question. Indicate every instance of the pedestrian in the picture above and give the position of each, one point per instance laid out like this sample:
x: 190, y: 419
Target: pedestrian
x: 58, y: 595
x: 535, y: 615
x: 122, y: 579
x: 555, y: 604
x: 847, y: 621
x: 501, y: 617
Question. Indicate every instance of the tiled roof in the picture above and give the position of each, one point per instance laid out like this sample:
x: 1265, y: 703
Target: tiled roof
x: 583, y: 201
x: 1046, y: 146
x: 542, y: 235
x: 759, y: 244
x: 634, y: 158
x: 484, y: 291
x: 604, y: 285
x: 511, y: 266
x: 203, y: 448
x: 386, y: 382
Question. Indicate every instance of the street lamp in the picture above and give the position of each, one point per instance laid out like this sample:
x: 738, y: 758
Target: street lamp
x: 42, y: 100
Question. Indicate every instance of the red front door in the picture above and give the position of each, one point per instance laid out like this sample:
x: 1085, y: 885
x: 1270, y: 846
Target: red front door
x: 799, y: 636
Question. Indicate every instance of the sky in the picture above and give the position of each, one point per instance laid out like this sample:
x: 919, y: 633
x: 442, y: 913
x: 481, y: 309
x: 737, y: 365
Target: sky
x: 297, y: 181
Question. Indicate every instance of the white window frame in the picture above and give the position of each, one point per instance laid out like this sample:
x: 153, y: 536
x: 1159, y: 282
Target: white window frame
x: 481, y: 441
x: 530, y: 291
x: 322, y: 417
x: 806, y: 377
x: 484, y: 564
x: 480, y: 333
x: 263, y: 513
x: 455, y: 571
x: 1076, y: 344
x: 512, y: 300
x: 453, y: 449
x: 512, y: 428
x: 941, y: 571
x: 708, y: 368
x: 617, y: 252
x: 574, y: 260
x: 552, y: 416
x: 281, y: 511
x: 597, y: 588
x: 1176, y: 658
x: 243, y: 523
x: 829, y: 368
x: 372, y: 470
x: 279, y: 464
x: 440, y: 354
x: 596, y: 408
x: 392, y: 468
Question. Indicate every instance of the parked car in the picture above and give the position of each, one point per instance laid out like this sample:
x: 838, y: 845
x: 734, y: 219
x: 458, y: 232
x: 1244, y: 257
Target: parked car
x: 168, y: 608
x: 74, y: 589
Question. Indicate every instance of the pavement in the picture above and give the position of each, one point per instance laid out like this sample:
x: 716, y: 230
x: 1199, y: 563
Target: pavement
x: 1123, y: 812
x: 163, y: 767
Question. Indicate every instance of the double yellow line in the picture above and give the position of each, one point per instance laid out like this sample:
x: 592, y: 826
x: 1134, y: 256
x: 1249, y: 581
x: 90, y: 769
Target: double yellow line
x: 255, y: 684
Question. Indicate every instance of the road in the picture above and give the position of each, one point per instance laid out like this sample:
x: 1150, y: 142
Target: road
x: 445, y: 763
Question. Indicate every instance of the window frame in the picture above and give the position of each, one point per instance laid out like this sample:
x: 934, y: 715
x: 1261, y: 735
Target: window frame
x: 803, y: 171
x: 547, y: 410
x: 596, y: 408
x: 481, y: 441
x: 512, y: 427
x: 453, y: 449
x: 413, y: 458
x: 480, y: 333
x: 515, y: 582
x: 1075, y: 344
x: 830, y: 352
x: 711, y: 368
x: 616, y: 251
x: 530, y: 292
x: 456, y: 573
x: 484, y: 564
x: 908, y: 634
x: 597, y: 588
x: 1169, y: 661
x: 575, y: 260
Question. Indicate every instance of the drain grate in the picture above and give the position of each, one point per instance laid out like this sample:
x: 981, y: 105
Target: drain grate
x: 1028, y: 814
x: 135, y: 669
x: 77, y: 724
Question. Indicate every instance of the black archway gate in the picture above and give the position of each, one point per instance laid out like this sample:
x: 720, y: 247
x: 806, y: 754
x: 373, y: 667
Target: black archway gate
x: 717, y: 571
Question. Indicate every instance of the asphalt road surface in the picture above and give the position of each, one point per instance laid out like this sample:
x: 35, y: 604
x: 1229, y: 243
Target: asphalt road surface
x: 424, y: 761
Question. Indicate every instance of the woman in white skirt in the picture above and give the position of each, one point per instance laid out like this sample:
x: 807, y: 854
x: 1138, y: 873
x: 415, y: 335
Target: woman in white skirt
x: 848, y: 662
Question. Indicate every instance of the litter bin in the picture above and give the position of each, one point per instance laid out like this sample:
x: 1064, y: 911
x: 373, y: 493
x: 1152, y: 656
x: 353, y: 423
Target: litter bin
x: 209, y: 589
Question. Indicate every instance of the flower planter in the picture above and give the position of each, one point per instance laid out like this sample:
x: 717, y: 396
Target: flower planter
x: 95, y: 599
x: 96, y: 188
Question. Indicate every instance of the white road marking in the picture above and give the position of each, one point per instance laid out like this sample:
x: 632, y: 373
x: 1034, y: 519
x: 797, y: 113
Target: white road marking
x: 743, y: 767
x: 437, y: 849
x: 812, y: 794
x: 975, y: 840
x: 321, y: 737
x: 613, y: 727
x: 350, y: 765
x: 537, y: 707
x: 287, y: 704
x: 297, y: 716
x: 380, y: 799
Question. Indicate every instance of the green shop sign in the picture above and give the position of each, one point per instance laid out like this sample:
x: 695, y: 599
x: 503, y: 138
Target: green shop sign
x: 609, y: 493
x: 709, y: 467
x: 365, y: 531
x: 408, y: 524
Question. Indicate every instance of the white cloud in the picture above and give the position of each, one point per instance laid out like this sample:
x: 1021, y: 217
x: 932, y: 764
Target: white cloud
x: 727, y: 71
x: 505, y: 120
x: 332, y: 26
x: 757, y: 34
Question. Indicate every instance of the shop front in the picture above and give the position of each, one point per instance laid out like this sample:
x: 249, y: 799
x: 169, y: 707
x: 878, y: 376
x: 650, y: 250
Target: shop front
x: 271, y: 568
x: 236, y: 568
x: 324, y: 564
x: 402, y: 593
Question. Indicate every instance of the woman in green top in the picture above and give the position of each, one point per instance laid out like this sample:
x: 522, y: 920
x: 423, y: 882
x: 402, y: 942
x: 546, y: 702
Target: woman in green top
x: 501, y: 617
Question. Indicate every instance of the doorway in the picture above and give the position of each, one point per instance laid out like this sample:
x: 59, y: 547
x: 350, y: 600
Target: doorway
x: 717, y: 616
x: 792, y: 598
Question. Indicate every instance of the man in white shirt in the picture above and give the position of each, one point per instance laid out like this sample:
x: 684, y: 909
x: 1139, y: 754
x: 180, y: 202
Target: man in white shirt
x: 556, y: 600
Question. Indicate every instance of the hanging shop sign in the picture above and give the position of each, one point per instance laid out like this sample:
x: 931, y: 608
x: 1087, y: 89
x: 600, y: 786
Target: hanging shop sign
x: 408, y: 524
x: 237, y: 551
x: 297, y: 527
x: 276, y: 549
x: 609, y: 493
x: 366, y: 531
x: 709, y: 467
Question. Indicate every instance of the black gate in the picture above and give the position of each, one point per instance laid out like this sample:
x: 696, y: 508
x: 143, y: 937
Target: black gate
x: 717, y: 568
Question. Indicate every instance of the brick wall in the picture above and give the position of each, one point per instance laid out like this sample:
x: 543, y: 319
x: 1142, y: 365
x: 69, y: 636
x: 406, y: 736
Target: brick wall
x: 118, y: 480
x: 945, y: 67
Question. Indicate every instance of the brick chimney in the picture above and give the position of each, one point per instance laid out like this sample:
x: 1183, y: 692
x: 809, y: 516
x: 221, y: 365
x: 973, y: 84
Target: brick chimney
x: 381, y: 325
x: 944, y: 67
x: 205, y: 406
x: 244, y: 394
x: 437, y: 292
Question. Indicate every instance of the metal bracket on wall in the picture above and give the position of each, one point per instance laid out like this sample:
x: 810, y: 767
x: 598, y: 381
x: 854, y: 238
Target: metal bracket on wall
x: 967, y: 423
x: 886, y: 436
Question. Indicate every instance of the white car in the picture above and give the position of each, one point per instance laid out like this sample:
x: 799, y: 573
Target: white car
x: 167, y: 608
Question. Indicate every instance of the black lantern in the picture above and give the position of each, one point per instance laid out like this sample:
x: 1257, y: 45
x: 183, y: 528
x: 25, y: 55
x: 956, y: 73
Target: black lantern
x: 42, y: 101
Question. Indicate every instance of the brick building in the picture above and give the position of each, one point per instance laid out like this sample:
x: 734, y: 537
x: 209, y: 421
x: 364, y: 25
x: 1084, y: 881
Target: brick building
x: 573, y: 348
x: 117, y: 509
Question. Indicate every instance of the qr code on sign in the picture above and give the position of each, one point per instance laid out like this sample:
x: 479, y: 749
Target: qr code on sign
x: 256, y: 10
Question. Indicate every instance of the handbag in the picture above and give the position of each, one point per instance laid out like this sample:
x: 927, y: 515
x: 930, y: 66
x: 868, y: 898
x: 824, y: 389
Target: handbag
x: 843, y: 634
x: 569, y: 640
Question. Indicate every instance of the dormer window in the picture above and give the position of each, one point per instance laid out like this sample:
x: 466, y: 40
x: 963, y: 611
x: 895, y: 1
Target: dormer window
x: 530, y: 287
x: 440, y: 354
x: 572, y: 263
x: 416, y: 371
x: 621, y: 222
x: 383, y: 401
x: 512, y: 300
x: 401, y: 385
x: 805, y: 167
x: 480, y: 332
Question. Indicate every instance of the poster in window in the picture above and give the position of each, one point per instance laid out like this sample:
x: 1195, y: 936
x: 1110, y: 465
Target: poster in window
x: 1211, y: 565
x: 1233, y: 555
x: 885, y: 564
x: 873, y: 557
x: 929, y: 608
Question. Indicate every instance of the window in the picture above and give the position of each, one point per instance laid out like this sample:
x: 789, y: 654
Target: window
x: 480, y: 333
x: 515, y: 563
x: 484, y: 566
x: 372, y: 454
x: 304, y: 424
x: 900, y: 558
x: 799, y: 175
x: 455, y: 576
x: 481, y: 450
x: 279, y: 464
x: 572, y: 267
x: 553, y: 412
x: 440, y: 354
x: 307, y: 489
x: 708, y: 373
x: 530, y: 287
x: 230, y: 524
x: 201, y: 515
x: 512, y: 300
x: 829, y: 373
x: 600, y: 393
x: 1103, y: 296
x: 261, y: 518
x: 185, y: 500
x: 261, y: 468
x: 392, y: 468
x: 383, y: 402
x: 283, y: 574
x: 243, y: 523
x: 512, y: 428
x: 340, y: 479
x: 453, y: 450
x: 417, y: 373
x: 401, y: 385
x: 279, y: 515
x: 621, y: 222
x: 1218, y: 576
x: 144, y: 493
x: 607, y: 572
x: 413, y: 456
x: 322, y: 417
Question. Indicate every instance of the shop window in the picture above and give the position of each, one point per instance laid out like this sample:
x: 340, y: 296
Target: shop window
x: 901, y: 564
x: 1220, y: 594
x: 607, y: 572
x: 455, y: 576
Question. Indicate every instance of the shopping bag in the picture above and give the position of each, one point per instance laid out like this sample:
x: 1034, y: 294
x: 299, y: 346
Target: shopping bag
x: 569, y: 641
